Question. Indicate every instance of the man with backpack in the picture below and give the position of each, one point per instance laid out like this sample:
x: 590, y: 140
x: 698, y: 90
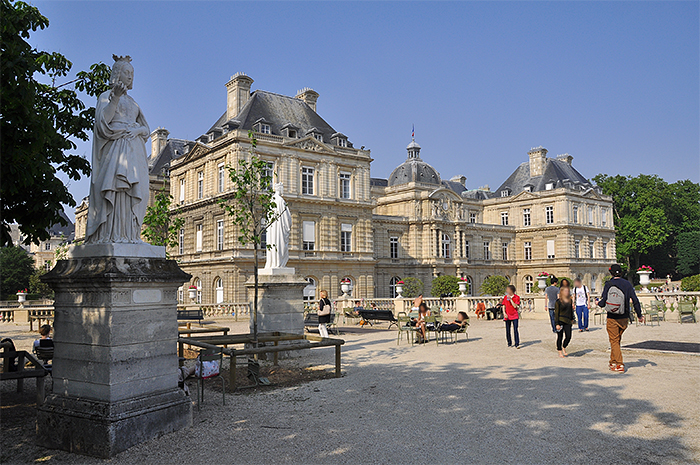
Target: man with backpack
x: 582, y: 298
x: 616, y: 297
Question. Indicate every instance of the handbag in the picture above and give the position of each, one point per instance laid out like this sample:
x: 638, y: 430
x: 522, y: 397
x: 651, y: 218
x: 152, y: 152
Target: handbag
x: 326, y: 310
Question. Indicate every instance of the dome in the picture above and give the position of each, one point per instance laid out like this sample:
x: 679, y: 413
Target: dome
x: 413, y: 145
x: 414, y: 170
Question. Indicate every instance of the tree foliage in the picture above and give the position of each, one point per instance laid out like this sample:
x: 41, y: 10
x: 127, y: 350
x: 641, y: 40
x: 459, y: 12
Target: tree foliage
x: 160, y: 227
x: 691, y: 283
x: 39, y: 122
x: 650, y: 216
x: 494, y: 285
x: 38, y: 287
x: 443, y: 285
x: 412, y: 287
x: 16, y: 266
x: 688, y: 245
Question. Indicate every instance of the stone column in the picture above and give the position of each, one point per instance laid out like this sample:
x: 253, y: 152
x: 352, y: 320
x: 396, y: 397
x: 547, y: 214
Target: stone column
x: 115, y: 364
x: 280, y: 301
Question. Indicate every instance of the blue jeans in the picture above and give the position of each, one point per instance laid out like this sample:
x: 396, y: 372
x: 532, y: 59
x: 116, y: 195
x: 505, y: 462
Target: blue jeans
x: 582, y: 316
x: 551, y: 320
x: 515, y: 332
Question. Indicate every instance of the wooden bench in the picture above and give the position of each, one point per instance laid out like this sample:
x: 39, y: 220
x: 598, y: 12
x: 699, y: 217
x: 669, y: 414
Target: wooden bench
x: 190, y: 315
x: 369, y: 316
x: 37, y: 371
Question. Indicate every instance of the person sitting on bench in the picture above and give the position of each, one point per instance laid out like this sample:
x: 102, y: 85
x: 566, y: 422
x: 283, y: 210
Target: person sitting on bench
x: 45, y: 341
x: 461, y: 321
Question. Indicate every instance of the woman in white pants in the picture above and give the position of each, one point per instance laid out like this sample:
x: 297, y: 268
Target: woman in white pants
x: 324, y: 313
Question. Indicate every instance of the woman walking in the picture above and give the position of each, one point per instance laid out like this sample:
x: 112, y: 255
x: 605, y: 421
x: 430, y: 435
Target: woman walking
x: 324, y: 313
x: 564, y: 317
x: 511, y: 304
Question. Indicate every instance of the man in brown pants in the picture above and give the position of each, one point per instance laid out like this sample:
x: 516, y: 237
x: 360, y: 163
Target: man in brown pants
x: 616, y: 300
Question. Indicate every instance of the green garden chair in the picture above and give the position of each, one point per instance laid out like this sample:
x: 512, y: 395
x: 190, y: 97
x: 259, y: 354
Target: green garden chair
x: 433, y: 328
x: 651, y: 312
x: 660, y: 307
x: 403, y: 328
x: 686, y: 308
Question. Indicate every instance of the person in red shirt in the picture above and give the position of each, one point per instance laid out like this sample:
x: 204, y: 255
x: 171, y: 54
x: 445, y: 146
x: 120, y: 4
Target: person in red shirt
x: 511, y: 303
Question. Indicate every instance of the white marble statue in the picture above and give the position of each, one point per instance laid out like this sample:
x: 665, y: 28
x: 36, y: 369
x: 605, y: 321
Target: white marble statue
x: 278, y: 232
x: 119, y: 184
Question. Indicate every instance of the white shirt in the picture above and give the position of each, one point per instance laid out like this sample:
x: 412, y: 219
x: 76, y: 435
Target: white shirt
x: 581, y: 293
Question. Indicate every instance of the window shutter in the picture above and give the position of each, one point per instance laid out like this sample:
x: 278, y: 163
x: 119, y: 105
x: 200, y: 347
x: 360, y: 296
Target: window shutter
x: 309, y: 231
x: 550, y: 247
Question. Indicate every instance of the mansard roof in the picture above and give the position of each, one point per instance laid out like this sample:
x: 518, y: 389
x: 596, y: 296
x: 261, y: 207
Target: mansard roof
x: 278, y: 111
x: 175, y: 148
x: 556, y: 171
x: 57, y: 229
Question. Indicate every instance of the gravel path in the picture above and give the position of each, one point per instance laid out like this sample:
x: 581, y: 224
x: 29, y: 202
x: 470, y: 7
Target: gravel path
x: 470, y: 402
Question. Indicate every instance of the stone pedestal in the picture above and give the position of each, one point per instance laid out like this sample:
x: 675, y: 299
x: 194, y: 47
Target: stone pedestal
x: 115, y: 362
x: 280, y: 303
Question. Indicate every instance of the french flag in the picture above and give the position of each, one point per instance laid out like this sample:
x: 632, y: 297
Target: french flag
x: 413, y: 131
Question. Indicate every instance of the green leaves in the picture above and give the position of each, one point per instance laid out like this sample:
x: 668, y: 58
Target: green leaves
x: 494, y: 285
x: 160, y: 228
x: 39, y: 123
x: 444, y: 285
x: 17, y: 267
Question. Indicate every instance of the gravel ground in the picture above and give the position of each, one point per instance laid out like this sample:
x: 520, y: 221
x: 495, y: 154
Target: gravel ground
x: 469, y: 402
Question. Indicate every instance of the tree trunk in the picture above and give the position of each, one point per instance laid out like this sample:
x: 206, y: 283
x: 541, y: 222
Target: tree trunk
x: 255, y: 298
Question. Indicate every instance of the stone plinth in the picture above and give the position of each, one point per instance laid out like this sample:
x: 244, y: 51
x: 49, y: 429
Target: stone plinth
x: 115, y: 362
x: 280, y: 303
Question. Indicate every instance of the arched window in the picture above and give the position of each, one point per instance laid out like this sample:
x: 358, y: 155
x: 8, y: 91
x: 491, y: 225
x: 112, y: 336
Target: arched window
x: 310, y: 290
x: 470, y: 282
x: 219, y: 290
x: 198, y: 285
x: 529, y: 282
x: 446, y: 246
x: 392, y: 286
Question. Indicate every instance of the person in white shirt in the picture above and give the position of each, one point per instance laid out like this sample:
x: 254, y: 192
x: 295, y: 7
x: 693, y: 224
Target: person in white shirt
x: 583, y: 297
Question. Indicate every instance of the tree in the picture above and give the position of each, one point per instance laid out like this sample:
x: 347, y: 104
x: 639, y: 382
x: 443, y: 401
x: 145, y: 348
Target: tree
x: 688, y: 247
x: 251, y: 208
x: 494, y: 285
x: 443, y: 285
x: 38, y: 287
x: 160, y: 228
x: 38, y: 123
x: 412, y: 287
x: 691, y: 283
x: 17, y: 266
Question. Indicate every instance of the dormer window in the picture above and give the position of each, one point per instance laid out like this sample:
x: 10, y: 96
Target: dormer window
x: 342, y: 142
x: 289, y: 130
x: 505, y: 192
x: 262, y: 126
x: 292, y: 133
x: 549, y: 186
x: 527, y: 188
x: 316, y: 133
x: 339, y: 139
x: 265, y: 128
x: 318, y: 136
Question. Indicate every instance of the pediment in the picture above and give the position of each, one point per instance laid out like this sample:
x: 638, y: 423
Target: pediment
x: 592, y: 194
x: 442, y: 193
x: 524, y: 195
x: 309, y: 143
x: 198, y: 150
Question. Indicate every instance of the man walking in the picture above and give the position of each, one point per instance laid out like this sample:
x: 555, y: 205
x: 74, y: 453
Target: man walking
x: 616, y: 300
x: 551, y: 294
x: 583, y: 299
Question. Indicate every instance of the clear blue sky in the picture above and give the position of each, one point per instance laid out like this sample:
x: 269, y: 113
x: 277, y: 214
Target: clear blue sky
x: 614, y: 84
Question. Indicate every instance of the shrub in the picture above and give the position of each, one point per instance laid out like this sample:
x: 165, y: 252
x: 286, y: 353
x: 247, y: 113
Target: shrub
x: 412, y: 287
x: 691, y: 283
x: 445, y: 285
x: 494, y: 285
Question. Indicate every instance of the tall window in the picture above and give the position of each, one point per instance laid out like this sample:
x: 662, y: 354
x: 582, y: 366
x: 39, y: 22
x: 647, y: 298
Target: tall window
x: 392, y: 286
x: 198, y: 285
x: 446, y: 246
x: 575, y: 214
x: 346, y: 237
x: 472, y: 217
x: 504, y: 218
x: 182, y: 191
x: 199, y: 237
x: 219, y: 290
x: 590, y: 215
x: 222, y: 177
x: 504, y: 247
x: 550, y: 248
x: 47, y: 265
x: 394, y: 247
x: 181, y: 241
x: 270, y: 171
x: 605, y: 250
x: 591, y: 249
x: 308, y: 236
x: 604, y: 216
x: 529, y: 282
x: 310, y: 290
x: 200, y: 184
x: 344, y: 185
x: 487, y: 251
x: 528, y: 250
x: 219, y: 234
x: 47, y: 245
x: 466, y: 249
x: 577, y: 249
x: 526, y: 217
x: 549, y: 213
x: 470, y: 289
x: 307, y: 181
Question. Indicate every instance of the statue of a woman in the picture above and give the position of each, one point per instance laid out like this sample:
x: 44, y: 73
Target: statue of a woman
x: 119, y: 183
x: 278, y: 232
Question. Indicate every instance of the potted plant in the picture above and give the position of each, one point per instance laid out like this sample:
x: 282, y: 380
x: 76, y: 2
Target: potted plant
x: 644, y: 273
x: 463, y: 287
x: 192, y: 292
x: 22, y: 296
x: 542, y: 279
x: 399, y: 289
x: 345, y: 286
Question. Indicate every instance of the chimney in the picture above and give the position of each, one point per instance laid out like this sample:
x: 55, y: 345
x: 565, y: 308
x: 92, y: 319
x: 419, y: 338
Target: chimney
x: 237, y: 94
x: 565, y: 157
x: 309, y: 96
x: 159, y: 138
x: 460, y: 179
x: 538, y: 161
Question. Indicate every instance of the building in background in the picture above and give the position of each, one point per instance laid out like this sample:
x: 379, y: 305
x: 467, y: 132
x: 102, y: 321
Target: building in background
x: 44, y: 252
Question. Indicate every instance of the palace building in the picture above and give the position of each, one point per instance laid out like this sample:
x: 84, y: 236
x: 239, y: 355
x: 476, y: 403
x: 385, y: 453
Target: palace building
x: 372, y: 231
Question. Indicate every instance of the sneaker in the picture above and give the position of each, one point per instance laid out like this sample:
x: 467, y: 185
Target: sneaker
x: 517, y: 347
x: 619, y: 368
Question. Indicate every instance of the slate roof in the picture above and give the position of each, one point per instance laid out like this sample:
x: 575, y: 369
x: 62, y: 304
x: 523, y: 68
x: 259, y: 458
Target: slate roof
x: 57, y: 229
x: 478, y: 194
x: 414, y: 170
x: 556, y: 171
x: 380, y: 182
x: 278, y: 111
x: 175, y: 148
x: 455, y: 186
